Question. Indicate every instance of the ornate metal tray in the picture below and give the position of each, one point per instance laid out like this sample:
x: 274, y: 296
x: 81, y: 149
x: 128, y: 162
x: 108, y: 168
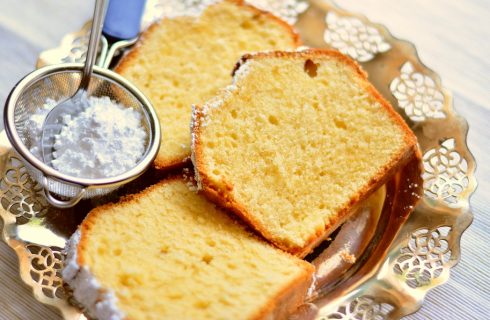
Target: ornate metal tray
x: 411, y: 254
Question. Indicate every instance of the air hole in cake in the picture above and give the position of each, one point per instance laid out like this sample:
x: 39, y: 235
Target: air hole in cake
x: 340, y: 124
x: 202, y: 304
x: 276, y: 71
x: 246, y: 24
x: 128, y: 280
x: 224, y: 301
x: 234, y: 114
x: 207, y: 258
x: 273, y: 120
x: 164, y: 250
x: 175, y: 296
x: 311, y: 68
x: 117, y: 252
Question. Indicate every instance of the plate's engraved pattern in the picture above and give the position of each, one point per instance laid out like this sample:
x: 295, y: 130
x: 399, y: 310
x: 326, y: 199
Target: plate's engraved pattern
x: 417, y: 94
x: 445, y: 173
x: 424, y: 257
x: 448, y: 177
x: 19, y: 194
x: 78, y: 49
x: 73, y: 48
x: 174, y: 8
x: 286, y: 9
x: 352, y: 37
x: 46, y: 264
x: 363, y: 307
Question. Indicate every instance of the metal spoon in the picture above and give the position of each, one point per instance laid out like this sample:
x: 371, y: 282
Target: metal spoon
x: 73, y: 105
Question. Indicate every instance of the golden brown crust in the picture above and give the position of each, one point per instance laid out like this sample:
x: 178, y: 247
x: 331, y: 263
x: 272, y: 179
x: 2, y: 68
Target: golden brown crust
x: 169, y: 163
x: 290, y: 297
x: 225, y: 199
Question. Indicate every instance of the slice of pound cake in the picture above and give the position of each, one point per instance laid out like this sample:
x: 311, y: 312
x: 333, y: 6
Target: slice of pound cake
x: 169, y: 253
x: 185, y: 60
x: 295, y: 142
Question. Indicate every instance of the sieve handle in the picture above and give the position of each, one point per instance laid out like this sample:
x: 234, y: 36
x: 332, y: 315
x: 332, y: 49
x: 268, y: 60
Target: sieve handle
x: 63, y: 204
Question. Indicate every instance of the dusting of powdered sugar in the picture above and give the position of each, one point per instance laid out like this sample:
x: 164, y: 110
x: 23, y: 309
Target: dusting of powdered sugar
x: 104, y: 140
x: 99, y: 303
x: 240, y: 73
x: 302, y: 49
x: 312, y: 288
x: 189, y: 180
x: 193, y: 146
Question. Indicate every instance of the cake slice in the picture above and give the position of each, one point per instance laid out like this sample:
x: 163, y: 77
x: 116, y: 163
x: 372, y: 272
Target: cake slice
x: 295, y: 142
x: 169, y: 253
x: 185, y: 60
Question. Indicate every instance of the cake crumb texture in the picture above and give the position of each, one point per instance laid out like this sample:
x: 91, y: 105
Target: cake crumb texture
x: 185, y: 60
x: 169, y: 253
x: 298, y: 140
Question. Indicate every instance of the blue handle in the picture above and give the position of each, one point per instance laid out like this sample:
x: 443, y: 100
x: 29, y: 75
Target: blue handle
x: 123, y: 18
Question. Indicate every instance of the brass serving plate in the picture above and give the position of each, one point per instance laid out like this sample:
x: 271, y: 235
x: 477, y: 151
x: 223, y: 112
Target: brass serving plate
x: 411, y: 253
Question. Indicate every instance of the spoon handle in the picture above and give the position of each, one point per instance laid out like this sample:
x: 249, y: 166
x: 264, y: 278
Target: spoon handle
x: 123, y: 19
x: 97, y: 23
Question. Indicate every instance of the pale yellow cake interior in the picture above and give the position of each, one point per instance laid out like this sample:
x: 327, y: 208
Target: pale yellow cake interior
x: 295, y: 142
x: 171, y: 254
x: 184, y: 61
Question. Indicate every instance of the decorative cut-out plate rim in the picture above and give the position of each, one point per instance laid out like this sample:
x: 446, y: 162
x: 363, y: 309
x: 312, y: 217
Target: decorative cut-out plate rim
x: 415, y: 264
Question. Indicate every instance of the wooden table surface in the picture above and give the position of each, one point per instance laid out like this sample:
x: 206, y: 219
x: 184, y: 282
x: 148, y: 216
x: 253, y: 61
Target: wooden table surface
x: 452, y: 38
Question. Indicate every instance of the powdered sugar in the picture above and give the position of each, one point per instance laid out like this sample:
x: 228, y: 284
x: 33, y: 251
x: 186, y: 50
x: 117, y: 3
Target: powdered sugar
x: 100, y: 303
x: 242, y: 71
x: 35, y: 126
x: 106, y: 139
x: 216, y: 102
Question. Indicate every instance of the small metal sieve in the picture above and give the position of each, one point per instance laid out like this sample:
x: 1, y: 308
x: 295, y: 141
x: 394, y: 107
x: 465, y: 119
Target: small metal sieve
x: 59, y: 82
